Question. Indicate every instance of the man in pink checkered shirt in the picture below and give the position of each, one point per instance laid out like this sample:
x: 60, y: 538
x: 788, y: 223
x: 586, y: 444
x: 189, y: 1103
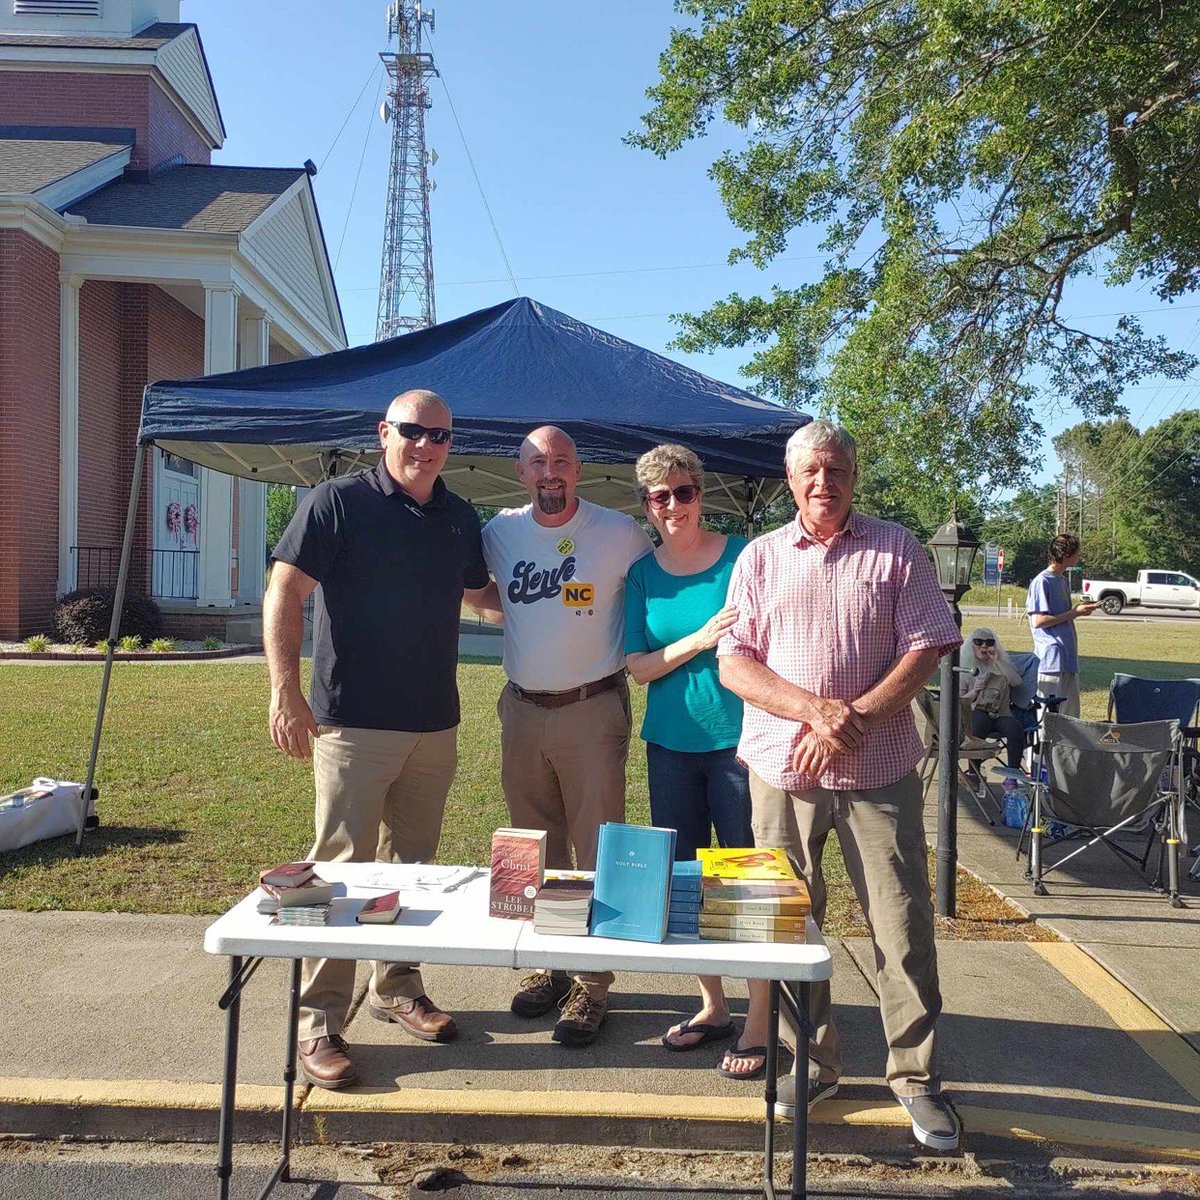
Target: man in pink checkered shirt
x: 840, y: 623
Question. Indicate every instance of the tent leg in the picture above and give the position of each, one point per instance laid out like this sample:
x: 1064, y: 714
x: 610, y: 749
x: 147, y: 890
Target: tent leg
x: 114, y: 629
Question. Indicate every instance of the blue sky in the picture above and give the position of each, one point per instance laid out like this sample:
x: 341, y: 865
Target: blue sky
x: 544, y: 91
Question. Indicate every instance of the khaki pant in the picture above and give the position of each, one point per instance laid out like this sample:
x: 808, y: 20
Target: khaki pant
x: 1061, y: 685
x: 882, y: 836
x: 563, y: 770
x: 380, y: 798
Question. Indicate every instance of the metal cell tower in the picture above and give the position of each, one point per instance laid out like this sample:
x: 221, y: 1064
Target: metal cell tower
x: 406, y: 273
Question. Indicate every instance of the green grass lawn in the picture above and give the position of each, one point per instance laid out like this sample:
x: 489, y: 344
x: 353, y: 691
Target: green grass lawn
x: 195, y: 799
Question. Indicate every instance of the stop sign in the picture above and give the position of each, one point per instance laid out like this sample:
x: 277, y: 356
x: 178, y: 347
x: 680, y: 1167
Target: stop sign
x: 1000, y: 559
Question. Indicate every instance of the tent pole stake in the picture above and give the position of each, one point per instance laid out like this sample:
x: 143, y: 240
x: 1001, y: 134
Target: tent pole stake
x: 114, y: 628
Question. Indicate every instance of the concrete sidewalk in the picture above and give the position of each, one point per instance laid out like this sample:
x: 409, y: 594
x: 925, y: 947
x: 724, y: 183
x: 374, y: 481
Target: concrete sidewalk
x: 117, y: 1035
x: 1101, y: 906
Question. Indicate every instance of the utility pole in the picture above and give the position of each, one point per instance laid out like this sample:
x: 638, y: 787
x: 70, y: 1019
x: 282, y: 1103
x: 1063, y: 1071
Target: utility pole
x: 406, y: 273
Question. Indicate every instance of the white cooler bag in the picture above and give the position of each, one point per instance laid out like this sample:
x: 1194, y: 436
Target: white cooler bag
x: 48, y: 808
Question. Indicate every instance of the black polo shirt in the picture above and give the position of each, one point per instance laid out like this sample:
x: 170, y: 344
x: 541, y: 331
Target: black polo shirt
x: 391, y: 574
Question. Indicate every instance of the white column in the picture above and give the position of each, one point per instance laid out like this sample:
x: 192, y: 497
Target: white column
x: 216, y: 488
x: 254, y: 350
x: 68, y: 428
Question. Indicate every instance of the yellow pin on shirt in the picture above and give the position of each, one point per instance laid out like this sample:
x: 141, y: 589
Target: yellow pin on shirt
x: 565, y: 546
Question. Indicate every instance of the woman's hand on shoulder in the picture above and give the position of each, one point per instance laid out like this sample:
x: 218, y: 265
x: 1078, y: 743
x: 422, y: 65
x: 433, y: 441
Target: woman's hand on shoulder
x: 711, y: 632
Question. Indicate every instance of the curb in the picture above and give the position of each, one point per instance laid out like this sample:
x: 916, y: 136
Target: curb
x: 131, y: 656
x: 124, y: 1110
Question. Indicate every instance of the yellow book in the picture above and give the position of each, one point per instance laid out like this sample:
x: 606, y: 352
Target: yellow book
x: 751, y: 897
x: 719, y: 921
x: 793, y: 938
x: 746, y: 863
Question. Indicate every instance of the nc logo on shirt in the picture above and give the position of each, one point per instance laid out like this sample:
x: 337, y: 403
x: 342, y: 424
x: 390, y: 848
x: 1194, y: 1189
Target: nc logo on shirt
x: 565, y: 546
x: 578, y: 596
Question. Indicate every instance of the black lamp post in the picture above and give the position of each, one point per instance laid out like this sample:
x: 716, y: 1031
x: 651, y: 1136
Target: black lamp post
x: 954, y: 548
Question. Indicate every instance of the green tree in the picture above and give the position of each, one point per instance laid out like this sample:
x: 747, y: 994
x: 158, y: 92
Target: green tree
x: 967, y: 160
x: 1162, y: 500
x: 281, y: 507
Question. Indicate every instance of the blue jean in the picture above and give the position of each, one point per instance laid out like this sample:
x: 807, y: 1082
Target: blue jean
x: 696, y: 792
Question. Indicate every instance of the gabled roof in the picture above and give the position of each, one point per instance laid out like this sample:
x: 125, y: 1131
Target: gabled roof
x: 173, y: 49
x: 32, y: 157
x: 198, y: 198
x: 150, y: 38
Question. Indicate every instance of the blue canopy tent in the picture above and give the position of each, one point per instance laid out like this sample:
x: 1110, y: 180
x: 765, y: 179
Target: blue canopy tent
x: 503, y: 370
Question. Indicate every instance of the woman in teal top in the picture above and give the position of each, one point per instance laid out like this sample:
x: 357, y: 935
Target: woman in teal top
x: 675, y: 613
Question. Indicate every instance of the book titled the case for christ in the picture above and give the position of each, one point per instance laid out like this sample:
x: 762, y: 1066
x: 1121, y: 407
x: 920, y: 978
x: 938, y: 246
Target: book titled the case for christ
x: 518, y: 872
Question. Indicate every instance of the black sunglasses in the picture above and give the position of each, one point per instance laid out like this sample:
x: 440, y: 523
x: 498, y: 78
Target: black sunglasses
x: 984, y: 641
x: 685, y: 493
x: 438, y: 435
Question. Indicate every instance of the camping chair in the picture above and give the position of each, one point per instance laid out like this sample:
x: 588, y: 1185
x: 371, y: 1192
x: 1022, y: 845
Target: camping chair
x: 1131, y: 698
x: 971, y: 750
x: 1101, y: 777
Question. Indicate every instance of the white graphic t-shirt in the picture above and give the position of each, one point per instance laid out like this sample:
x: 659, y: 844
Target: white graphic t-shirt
x: 563, y: 592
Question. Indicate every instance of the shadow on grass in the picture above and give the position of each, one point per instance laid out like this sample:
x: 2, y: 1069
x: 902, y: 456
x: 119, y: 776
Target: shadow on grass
x: 96, y: 842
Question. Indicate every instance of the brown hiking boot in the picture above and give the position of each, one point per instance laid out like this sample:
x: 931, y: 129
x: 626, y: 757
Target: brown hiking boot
x: 539, y: 993
x: 325, y: 1063
x: 582, y: 1016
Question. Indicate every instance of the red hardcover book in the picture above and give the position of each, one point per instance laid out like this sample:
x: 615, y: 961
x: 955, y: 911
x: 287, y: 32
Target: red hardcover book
x: 380, y: 910
x: 518, y: 872
x: 288, y: 874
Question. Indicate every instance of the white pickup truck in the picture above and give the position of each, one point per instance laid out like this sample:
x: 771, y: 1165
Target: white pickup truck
x: 1154, y: 589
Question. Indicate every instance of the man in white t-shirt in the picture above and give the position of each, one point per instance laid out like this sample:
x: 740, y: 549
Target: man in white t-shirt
x: 560, y: 565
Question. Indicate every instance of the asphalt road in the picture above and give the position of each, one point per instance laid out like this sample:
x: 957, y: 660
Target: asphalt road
x: 1144, y: 615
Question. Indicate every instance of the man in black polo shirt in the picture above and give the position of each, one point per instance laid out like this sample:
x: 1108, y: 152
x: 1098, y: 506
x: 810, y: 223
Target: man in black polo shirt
x: 394, y: 552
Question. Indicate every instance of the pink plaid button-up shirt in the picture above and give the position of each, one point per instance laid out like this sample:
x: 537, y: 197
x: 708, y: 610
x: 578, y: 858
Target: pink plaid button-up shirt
x: 833, y: 619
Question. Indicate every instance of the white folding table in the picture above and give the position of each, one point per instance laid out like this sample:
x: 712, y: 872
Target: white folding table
x: 452, y: 926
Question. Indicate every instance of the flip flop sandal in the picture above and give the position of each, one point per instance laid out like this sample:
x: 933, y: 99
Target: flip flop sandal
x: 708, y: 1033
x: 748, y: 1052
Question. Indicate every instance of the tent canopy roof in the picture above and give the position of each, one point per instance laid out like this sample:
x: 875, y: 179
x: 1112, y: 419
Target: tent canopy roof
x: 503, y: 371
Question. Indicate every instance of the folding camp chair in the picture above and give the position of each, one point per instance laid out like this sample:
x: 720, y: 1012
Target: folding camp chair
x: 1101, y: 777
x: 971, y: 750
x: 1131, y: 698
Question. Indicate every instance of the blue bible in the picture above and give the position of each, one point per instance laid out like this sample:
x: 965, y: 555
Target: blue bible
x: 633, y: 882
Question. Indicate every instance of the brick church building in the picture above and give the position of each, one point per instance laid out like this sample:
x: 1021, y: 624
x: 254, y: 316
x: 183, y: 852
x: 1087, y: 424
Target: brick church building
x: 127, y: 256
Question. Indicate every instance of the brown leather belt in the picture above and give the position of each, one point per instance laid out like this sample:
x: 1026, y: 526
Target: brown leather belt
x: 559, y: 699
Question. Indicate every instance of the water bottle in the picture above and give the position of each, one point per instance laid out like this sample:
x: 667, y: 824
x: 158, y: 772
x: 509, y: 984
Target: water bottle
x: 1014, y: 804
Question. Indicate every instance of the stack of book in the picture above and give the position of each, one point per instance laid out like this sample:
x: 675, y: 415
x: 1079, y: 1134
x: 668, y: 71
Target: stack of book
x: 564, y: 905
x: 633, y: 882
x: 518, y: 872
x: 683, y: 917
x: 751, y: 895
x: 294, y: 894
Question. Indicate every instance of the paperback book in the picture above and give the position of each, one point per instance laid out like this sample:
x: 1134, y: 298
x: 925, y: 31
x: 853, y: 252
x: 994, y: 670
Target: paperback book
x: 274, y: 898
x: 746, y: 863
x: 304, y: 914
x: 518, y: 872
x: 718, y: 922
x: 563, y: 906
x: 633, y: 882
x: 766, y: 898
x: 685, y: 877
x: 752, y: 935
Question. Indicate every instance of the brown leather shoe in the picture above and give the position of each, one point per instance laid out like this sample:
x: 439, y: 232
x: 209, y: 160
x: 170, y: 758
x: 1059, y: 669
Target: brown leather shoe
x: 420, y: 1017
x: 582, y: 1016
x: 325, y: 1063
